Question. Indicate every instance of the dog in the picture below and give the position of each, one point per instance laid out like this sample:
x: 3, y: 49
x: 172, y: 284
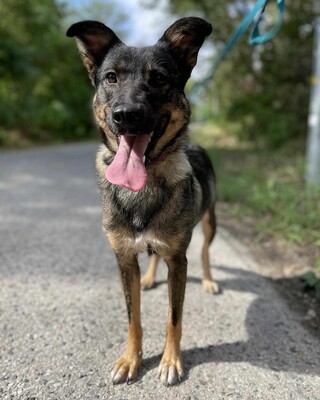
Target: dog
x: 155, y: 186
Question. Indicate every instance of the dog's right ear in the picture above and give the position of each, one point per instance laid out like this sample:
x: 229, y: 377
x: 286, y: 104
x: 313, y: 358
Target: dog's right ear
x: 94, y: 40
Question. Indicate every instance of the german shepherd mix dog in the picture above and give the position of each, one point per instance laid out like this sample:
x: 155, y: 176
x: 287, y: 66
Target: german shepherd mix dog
x: 155, y: 186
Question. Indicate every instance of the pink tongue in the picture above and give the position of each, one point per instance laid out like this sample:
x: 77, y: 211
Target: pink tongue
x: 127, y: 168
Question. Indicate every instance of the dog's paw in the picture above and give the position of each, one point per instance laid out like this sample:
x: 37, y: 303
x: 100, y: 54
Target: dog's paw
x: 125, y: 369
x: 170, y: 370
x: 210, y: 286
x: 147, y: 282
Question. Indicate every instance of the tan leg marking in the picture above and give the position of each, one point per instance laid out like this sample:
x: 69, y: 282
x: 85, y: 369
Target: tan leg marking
x: 171, y: 365
x: 127, y: 366
x: 209, y: 230
x: 148, y: 279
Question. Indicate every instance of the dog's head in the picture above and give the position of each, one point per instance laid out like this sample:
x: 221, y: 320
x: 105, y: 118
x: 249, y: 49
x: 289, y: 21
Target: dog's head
x: 139, y: 103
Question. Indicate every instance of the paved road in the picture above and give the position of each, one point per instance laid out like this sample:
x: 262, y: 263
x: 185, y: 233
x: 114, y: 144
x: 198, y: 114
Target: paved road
x: 62, y: 315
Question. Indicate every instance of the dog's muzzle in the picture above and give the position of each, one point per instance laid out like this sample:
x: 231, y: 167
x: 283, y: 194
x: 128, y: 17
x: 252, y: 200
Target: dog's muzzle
x: 131, y: 119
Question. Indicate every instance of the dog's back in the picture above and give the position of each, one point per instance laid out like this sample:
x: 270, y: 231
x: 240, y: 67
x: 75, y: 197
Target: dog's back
x: 204, y: 173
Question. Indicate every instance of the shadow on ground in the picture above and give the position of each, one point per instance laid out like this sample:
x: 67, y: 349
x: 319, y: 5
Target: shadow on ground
x: 271, y: 345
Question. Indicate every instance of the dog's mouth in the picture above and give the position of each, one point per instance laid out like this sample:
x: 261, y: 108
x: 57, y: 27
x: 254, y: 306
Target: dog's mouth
x: 128, y: 166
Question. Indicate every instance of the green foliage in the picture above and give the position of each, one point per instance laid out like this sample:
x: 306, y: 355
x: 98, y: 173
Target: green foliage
x: 311, y: 279
x: 266, y: 185
x: 262, y: 122
x: 264, y: 88
x: 44, y: 92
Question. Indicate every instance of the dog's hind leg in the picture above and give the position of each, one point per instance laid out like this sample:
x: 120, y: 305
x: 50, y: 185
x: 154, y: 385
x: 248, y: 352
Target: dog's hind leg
x: 126, y: 367
x: 148, y: 279
x: 209, y: 230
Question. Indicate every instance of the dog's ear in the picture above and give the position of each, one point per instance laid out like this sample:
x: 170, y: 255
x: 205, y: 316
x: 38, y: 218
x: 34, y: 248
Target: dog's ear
x: 185, y: 37
x: 94, y: 39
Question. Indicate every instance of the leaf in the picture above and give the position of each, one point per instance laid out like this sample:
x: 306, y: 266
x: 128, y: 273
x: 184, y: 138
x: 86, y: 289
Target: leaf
x: 310, y: 280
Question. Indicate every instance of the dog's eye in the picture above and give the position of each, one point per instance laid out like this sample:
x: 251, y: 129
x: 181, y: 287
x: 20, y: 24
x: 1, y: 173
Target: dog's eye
x: 111, y: 77
x: 158, y: 78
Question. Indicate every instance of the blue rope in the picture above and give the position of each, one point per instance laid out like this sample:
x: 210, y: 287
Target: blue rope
x: 254, y: 38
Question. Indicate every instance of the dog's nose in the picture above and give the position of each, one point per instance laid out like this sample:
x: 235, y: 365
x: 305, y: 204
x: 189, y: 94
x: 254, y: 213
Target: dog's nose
x: 128, y: 116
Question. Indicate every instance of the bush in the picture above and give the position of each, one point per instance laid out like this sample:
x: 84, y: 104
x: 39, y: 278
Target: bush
x: 44, y: 93
x: 263, y: 122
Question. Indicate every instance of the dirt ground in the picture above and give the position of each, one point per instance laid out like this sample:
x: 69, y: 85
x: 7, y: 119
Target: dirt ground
x: 283, y: 263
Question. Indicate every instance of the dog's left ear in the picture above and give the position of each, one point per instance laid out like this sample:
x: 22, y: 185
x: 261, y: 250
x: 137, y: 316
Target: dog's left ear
x: 185, y: 37
x: 94, y: 40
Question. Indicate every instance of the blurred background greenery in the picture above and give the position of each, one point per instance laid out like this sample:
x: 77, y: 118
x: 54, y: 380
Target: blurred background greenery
x: 44, y: 96
x: 252, y: 117
x: 260, y: 93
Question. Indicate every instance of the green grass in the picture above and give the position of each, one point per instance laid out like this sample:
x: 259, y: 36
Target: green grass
x: 265, y: 185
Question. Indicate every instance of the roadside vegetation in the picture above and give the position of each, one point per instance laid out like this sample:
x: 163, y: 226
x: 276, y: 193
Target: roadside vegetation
x: 266, y: 184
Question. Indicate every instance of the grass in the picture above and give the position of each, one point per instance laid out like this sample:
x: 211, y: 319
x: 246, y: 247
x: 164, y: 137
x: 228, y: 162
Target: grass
x: 266, y: 185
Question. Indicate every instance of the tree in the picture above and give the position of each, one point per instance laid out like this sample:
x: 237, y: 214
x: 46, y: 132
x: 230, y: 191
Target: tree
x: 265, y: 88
x: 44, y: 91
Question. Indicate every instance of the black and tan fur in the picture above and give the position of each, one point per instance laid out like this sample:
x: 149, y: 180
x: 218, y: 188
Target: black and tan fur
x: 180, y: 190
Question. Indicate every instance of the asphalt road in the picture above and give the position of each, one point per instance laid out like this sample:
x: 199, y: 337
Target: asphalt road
x: 62, y: 314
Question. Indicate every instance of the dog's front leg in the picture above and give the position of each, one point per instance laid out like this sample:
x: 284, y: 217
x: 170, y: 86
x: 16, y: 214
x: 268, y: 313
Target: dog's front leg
x: 171, y: 367
x: 126, y: 367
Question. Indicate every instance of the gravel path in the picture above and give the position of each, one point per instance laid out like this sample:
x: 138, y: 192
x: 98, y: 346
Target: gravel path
x: 62, y: 313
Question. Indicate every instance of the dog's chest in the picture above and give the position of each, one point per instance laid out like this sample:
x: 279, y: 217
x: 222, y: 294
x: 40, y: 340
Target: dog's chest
x: 139, y: 212
x: 141, y: 224
x: 147, y: 242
